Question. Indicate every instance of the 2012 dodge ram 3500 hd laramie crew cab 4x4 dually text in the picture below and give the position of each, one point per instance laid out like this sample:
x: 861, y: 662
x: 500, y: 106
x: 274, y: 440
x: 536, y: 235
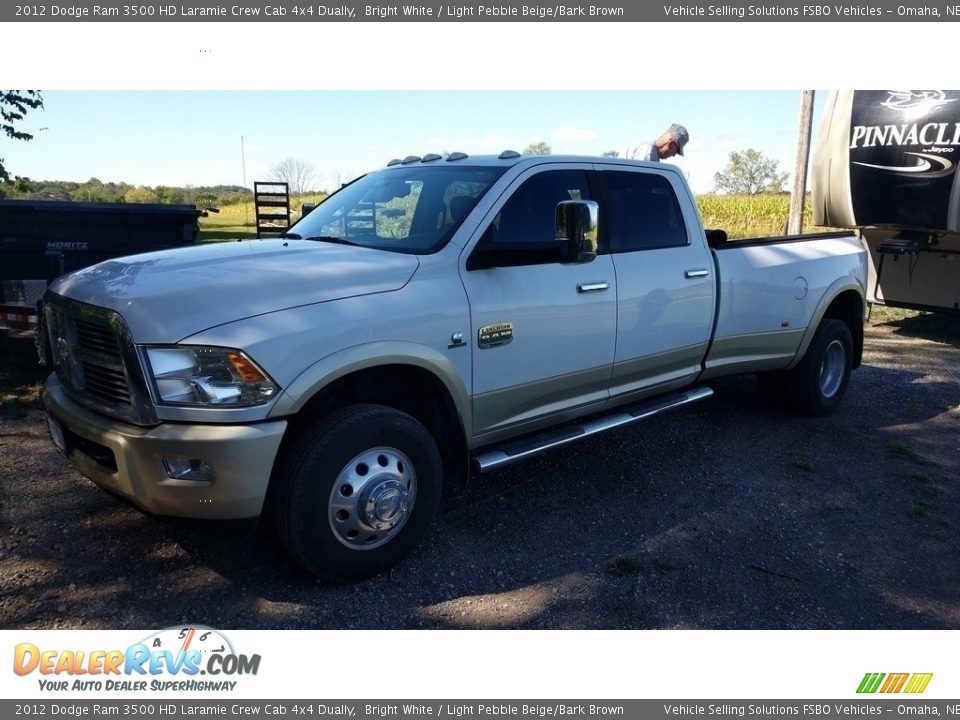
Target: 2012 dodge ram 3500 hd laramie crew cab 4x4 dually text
x: 431, y: 320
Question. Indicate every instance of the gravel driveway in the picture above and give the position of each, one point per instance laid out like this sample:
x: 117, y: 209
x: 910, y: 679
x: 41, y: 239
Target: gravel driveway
x: 730, y: 514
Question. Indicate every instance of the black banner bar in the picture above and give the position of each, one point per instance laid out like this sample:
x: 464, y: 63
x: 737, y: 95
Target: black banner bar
x: 669, y: 11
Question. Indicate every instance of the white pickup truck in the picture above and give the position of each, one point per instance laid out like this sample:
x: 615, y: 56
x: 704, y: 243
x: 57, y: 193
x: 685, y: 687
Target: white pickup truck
x: 432, y: 320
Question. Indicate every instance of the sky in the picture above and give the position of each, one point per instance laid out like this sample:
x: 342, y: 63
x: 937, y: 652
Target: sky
x: 180, y: 138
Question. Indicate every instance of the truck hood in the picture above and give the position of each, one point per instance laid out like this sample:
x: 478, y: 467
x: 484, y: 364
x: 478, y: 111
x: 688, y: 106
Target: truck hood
x: 167, y: 296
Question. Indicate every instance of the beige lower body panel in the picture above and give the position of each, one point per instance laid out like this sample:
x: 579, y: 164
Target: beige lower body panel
x: 533, y: 406
x: 752, y: 353
x: 524, y: 408
x: 241, y: 457
x: 651, y: 374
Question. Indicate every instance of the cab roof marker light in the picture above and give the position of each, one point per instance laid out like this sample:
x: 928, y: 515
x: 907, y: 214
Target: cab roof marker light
x: 431, y: 157
x: 395, y: 161
x: 456, y: 156
x: 508, y: 155
x: 409, y: 159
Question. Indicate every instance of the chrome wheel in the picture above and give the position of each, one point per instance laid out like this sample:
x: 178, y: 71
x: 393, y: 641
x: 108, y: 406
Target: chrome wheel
x: 372, y: 498
x: 833, y: 369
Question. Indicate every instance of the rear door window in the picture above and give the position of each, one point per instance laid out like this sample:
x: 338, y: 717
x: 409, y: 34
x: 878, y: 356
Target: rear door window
x: 643, y: 212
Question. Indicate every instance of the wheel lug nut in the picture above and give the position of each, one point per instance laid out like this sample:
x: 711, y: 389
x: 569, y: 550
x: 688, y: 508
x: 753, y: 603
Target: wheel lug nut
x: 379, y: 526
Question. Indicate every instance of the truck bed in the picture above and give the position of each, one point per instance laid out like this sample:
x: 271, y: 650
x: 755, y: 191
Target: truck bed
x: 769, y: 290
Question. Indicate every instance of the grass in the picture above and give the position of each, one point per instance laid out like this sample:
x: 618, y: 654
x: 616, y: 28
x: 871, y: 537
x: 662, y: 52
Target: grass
x: 926, y: 481
x: 239, y: 220
x: 938, y: 327
x: 891, y: 315
x: 11, y: 608
x: 899, y: 450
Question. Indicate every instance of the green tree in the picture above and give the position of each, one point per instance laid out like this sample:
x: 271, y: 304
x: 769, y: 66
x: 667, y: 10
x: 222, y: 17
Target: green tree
x: 537, y: 148
x: 14, y: 105
x: 611, y: 153
x: 170, y: 195
x: 140, y: 195
x: 750, y: 172
x: 22, y: 185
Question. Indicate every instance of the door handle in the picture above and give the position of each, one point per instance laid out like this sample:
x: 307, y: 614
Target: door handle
x: 698, y: 273
x: 592, y: 287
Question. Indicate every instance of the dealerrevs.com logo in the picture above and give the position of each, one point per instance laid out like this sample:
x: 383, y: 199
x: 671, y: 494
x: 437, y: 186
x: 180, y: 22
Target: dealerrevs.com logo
x: 894, y: 682
x: 173, y: 659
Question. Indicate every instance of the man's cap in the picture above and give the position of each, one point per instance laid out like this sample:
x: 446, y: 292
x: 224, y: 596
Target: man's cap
x: 679, y: 135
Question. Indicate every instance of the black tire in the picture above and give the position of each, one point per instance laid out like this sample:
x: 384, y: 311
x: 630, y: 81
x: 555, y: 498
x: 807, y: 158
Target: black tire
x: 350, y: 466
x: 818, y: 383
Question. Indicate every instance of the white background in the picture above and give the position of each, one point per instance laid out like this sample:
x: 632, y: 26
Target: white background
x: 584, y: 56
x: 372, y: 665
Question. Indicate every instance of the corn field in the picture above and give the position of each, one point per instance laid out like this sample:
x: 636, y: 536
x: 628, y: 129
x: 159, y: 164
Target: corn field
x: 743, y: 216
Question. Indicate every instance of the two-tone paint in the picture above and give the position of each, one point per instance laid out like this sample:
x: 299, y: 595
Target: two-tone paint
x: 583, y: 337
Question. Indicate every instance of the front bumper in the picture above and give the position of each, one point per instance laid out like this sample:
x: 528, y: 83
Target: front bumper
x: 127, y: 460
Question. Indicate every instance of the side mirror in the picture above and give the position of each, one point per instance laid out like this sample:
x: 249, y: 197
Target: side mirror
x: 576, y: 222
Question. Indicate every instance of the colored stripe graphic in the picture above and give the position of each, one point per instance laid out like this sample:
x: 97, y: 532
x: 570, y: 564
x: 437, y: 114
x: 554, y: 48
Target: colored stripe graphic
x: 895, y: 682
x: 918, y: 683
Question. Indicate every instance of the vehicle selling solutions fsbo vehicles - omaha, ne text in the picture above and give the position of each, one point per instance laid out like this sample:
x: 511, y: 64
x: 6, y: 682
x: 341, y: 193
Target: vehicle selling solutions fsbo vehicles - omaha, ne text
x: 432, y: 320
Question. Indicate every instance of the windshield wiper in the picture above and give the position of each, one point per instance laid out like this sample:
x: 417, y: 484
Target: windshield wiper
x: 332, y: 239
x: 290, y: 236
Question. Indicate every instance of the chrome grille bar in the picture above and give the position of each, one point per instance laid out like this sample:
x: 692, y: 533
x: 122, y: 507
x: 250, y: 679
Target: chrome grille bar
x: 96, y: 360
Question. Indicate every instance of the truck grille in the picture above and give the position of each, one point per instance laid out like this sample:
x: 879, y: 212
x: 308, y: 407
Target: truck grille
x: 101, y: 362
x: 95, y: 361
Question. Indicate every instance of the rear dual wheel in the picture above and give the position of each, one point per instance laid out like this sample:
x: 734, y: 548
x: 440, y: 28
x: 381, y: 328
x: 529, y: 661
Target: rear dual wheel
x: 819, y: 382
x: 817, y: 385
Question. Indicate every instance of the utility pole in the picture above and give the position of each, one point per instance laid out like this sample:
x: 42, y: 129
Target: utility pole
x: 243, y: 162
x: 795, y: 221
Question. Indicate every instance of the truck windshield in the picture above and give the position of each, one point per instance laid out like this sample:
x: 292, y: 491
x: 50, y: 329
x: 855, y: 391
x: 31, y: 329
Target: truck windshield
x: 409, y: 210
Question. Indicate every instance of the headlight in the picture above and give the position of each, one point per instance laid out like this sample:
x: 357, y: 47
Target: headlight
x: 208, y: 376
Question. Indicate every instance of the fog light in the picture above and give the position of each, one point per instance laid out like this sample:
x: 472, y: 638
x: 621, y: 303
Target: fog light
x: 188, y: 469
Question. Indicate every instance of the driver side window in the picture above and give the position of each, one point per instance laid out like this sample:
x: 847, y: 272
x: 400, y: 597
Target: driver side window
x: 529, y: 214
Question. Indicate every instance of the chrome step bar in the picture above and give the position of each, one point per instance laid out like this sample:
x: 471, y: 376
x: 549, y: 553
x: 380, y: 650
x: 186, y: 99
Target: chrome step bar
x: 516, y: 450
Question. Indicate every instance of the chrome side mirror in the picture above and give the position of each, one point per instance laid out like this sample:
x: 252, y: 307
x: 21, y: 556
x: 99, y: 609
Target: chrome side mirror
x: 576, y: 222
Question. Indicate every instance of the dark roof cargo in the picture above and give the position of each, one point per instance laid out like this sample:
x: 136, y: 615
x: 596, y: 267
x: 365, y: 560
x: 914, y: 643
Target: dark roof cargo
x: 43, y: 239
x: 886, y: 162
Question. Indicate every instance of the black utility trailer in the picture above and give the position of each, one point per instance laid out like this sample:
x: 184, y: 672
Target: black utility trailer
x: 42, y: 239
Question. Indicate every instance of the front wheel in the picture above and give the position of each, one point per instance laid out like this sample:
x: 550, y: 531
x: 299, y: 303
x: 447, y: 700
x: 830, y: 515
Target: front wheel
x: 818, y: 383
x: 358, y: 492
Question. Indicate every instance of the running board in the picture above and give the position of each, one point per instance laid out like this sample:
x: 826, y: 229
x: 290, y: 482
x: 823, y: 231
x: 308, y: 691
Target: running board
x: 536, y: 444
